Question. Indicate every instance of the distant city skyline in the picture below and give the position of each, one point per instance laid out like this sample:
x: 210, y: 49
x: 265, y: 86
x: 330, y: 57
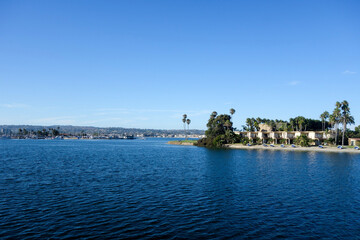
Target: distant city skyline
x: 143, y: 64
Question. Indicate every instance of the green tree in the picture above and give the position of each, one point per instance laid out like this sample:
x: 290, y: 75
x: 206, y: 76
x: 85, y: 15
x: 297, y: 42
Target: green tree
x: 232, y: 111
x: 346, y: 118
x: 25, y: 131
x: 256, y: 124
x: 324, y: 116
x: 336, y: 119
x: 45, y: 133
x: 332, y: 120
x: 301, y: 122
x: 272, y: 124
x: 55, y: 132
x: 259, y: 120
x: 219, y: 131
x: 302, y: 140
x: 250, y: 124
x: 184, y: 121
x: 292, y: 123
x: 357, y: 129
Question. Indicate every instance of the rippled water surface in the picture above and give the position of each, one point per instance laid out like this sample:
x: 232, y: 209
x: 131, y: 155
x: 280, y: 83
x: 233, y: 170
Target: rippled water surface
x: 148, y: 189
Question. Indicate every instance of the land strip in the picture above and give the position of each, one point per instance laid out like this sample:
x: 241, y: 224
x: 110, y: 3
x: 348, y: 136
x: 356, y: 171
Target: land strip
x: 294, y: 149
x: 277, y: 147
x: 183, y: 142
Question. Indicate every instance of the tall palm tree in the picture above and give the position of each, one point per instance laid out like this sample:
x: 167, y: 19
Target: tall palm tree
x: 249, y: 123
x: 332, y: 120
x: 259, y: 120
x: 184, y: 121
x: 346, y: 118
x: 292, y: 123
x: 324, y: 116
x: 255, y: 124
x: 213, y: 115
x: 301, y: 122
x: 188, y: 121
x: 336, y: 117
x: 327, y: 115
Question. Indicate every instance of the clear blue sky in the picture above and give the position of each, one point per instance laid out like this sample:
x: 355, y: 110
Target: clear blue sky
x: 145, y: 63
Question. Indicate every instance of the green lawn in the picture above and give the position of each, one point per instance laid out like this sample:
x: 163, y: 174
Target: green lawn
x: 183, y: 141
x: 188, y: 141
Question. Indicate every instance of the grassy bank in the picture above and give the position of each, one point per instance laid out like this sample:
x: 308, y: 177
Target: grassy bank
x: 183, y: 142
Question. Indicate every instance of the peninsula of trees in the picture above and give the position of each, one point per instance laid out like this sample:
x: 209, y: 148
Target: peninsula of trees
x: 220, y: 130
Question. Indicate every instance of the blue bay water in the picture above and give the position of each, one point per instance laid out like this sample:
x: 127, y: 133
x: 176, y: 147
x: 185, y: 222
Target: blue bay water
x: 147, y: 189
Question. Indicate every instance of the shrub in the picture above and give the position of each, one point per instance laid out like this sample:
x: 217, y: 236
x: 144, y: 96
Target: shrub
x: 256, y: 140
x: 330, y: 141
x: 302, y: 140
x: 245, y: 140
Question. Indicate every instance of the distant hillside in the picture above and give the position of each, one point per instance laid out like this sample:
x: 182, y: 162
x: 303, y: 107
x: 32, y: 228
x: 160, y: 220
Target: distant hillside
x: 99, y: 130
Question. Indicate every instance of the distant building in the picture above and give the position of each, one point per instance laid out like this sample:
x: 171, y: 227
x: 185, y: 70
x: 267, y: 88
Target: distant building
x: 287, y: 137
x: 354, y: 141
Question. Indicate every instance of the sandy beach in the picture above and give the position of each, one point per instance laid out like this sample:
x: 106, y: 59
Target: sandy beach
x: 289, y: 148
x: 279, y: 148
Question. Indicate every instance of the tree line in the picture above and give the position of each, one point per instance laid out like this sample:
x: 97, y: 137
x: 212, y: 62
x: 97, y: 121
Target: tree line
x: 299, y: 123
x: 51, y: 132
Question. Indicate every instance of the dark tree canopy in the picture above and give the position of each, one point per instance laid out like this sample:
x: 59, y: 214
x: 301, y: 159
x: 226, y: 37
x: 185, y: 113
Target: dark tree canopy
x: 220, y: 131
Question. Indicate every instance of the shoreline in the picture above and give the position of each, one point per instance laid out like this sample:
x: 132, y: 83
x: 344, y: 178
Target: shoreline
x: 296, y: 149
x: 278, y: 148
